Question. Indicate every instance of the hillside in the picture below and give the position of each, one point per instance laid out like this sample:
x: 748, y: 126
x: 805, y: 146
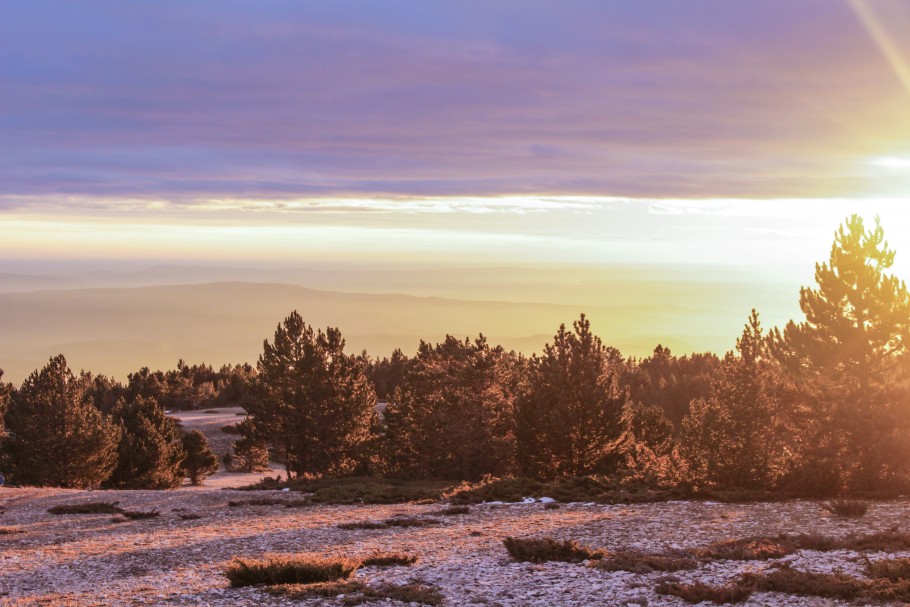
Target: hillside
x: 118, y: 330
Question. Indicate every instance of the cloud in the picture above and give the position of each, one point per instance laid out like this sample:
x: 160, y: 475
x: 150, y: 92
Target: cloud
x: 402, y: 99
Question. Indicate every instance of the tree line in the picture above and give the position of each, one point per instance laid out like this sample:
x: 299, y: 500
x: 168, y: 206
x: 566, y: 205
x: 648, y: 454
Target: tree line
x: 819, y: 407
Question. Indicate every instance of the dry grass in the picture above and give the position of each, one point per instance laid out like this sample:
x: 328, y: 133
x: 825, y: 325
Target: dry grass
x: 638, y: 562
x: 288, y: 570
x: 355, y: 592
x: 542, y: 550
x: 87, y: 508
x: 389, y: 559
x: 846, y: 508
x: 11, y: 530
x: 700, y: 593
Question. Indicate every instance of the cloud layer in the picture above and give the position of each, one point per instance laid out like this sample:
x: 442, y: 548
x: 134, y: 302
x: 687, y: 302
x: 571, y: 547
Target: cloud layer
x: 286, y: 100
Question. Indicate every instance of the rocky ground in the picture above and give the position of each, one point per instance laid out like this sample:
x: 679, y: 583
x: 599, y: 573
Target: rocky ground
x: 102, y: 559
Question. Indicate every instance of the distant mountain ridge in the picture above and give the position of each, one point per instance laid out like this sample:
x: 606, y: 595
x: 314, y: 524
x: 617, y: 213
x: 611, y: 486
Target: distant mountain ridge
x: 118, y: 330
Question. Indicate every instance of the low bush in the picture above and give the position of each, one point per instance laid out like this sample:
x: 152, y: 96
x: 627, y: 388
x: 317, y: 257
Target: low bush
x: 136, y: 515
x: 846, y: 508
x: 189, y: 516
x: 365, y: 525
x: 288, y: 570
x: 766, y: 547
x: 700, y: 593
x: 453, y: 511
x: 403, y: 521
x: 389, y: 559
x: 602, y: 490
x: 269, y: 501
x: 638, y: 562
x: 802, y: 583
x: 895, y: 569
x: 360, y: 490
x: 408, y: 521
x: 542, y: 550
x: 747, y: 549
x: 355, y: 592
x: 86, y: 508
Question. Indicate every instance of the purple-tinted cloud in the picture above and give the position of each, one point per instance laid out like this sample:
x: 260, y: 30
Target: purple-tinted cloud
x: 287, y: 99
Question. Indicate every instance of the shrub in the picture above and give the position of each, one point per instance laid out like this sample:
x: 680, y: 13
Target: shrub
x: 355, y: 592
x: 846, y: 508
x: 389, y: 559
x: 763, y: 548
x: 360, y: 490
x: 453, y: 511
x: 542, y: 550
x: 638, y: 562
x: 747, y: 549
x: 368, y: 525
x: 700, y: 593
x: 802, y: 583
x: 87, y: 508
x: 139, y: 514
x: 269, y: 501
x: 891, y: 569
x: 288, y: 570
x: 405, y: 521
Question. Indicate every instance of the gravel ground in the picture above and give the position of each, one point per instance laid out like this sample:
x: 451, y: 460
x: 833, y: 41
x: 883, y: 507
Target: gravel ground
x: 82, y: 560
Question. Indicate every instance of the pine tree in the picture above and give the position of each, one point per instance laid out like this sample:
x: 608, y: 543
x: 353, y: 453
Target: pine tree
x: 150, y: 451
x: 734, y: 438
x: 199, y: 461
x: 452, y: 415
x: 572, y: 418
x: 848, y: 363
x: 55, y: 436
x: 5, y: 391
x: 314, y: 404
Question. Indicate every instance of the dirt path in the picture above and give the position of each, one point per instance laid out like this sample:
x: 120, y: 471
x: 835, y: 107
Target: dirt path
x: 210, y: 422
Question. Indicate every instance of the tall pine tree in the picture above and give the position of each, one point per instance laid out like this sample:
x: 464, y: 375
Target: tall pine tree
x: 735, y: 438
x: 848, y: 364
x: 452, y: 415
x: 572, y: 418
x: 56, y: 437
x: 313, y: 403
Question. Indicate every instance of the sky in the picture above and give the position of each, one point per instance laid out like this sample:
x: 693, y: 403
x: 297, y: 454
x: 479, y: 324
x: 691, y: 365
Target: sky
x: 451, y: 132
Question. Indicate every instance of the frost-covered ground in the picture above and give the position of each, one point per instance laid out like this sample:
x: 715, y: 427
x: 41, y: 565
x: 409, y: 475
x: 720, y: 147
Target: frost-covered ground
x: 90, y: 560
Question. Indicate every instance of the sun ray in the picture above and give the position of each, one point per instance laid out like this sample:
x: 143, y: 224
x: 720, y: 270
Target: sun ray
x: 874, y: 26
